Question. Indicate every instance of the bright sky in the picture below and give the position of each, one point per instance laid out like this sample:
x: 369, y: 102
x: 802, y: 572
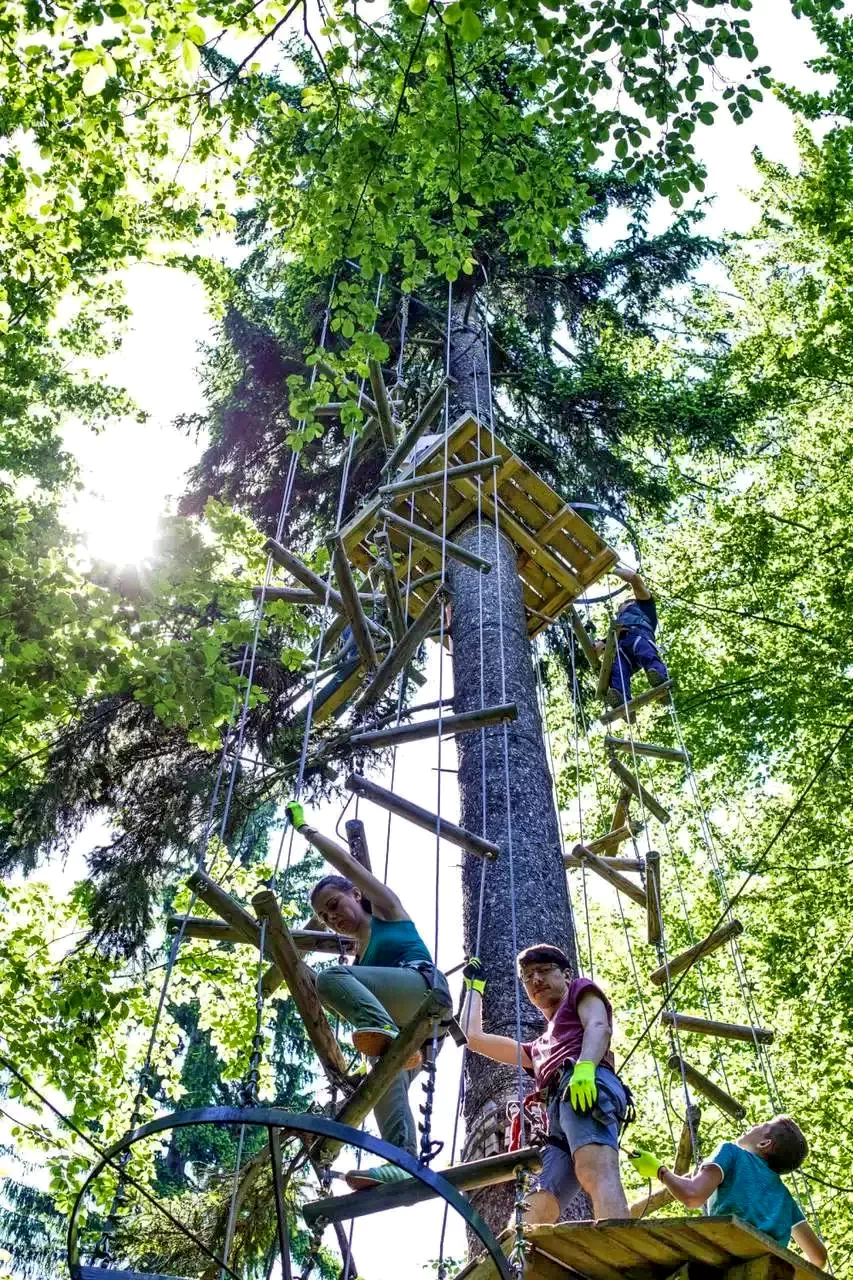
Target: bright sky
x: 132, y: 471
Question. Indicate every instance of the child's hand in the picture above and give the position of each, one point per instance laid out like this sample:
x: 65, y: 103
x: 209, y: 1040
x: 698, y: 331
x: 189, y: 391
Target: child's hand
x: 647, y: 1165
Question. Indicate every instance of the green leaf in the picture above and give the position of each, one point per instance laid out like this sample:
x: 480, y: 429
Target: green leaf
x: 452, y: 13
x: 85, y: 57
x: 190, y: 55
x: 470, y: 28
x: 94, y: 80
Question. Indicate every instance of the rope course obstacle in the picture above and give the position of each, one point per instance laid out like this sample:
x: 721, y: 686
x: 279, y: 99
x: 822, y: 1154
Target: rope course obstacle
x: 386, y: 593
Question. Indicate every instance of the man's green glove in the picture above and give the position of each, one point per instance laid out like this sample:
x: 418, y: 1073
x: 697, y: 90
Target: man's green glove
x: 647, y: 1165
x: 582, y: 1089
x: 473, y: 976
x: 295, y: 813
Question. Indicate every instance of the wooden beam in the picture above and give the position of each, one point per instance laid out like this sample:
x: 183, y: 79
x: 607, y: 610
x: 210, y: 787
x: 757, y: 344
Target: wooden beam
x: 724, y: 1030
x: 204, y: 927
x: 654, y: 923
x: 487, y: 1172
x: 703, y: 1085
x: 354, y: 392
x: 422, y: 817
x: 403, y: 653
x: 427, y: 415
x: 301, y: 595
x: 646, y: 749
x: 437, y: 479
x: 613, y: 838
x: 300, y: 981
x: 620, y: 813
x: 615, y: 864
x: 357, y: 841
x: 225, y: 906
x: 606, y: 667
x: 633, y: 784
x: 686, y: 959
x: 641, y: 700
x: 383, y: 408
x: 466, y: 722
x: 352, y: 605
x: 434, y: 1006
x: 600, y: 867
x: 294, y: 566
x: 396, y: 607
x: 418, y: 533
x: 584, y: 639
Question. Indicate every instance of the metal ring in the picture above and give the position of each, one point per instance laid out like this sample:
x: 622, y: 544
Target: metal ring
x: 611, y: 515
x: 316, y: 1125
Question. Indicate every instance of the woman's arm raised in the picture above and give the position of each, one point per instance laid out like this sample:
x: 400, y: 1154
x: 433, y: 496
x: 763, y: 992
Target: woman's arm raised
x: 386, y: 905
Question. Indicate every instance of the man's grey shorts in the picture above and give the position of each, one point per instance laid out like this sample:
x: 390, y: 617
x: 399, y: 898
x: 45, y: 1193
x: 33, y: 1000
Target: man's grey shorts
x: 580, y: 1129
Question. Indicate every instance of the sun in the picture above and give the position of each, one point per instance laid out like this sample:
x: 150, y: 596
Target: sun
x: 119, y: 528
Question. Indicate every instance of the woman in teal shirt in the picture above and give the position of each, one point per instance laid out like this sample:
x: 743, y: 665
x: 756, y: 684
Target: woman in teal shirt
x: 382, y: 990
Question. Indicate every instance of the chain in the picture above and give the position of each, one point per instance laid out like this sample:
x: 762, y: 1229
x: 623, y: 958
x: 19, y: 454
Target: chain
x: 429, y: 1149
x: 249, y: 1087
x: 519, y: 1248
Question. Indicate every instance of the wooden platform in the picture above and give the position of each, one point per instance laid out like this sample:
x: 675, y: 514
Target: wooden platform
x: 650, y: 1249
x: 559, y: 555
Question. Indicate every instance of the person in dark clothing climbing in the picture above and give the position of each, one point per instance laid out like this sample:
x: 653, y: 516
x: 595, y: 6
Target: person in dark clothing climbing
x: 636, y: 649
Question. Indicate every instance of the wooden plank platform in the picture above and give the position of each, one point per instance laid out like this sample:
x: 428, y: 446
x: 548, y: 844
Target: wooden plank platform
x: 560, y: 555
x: 646, y: 1249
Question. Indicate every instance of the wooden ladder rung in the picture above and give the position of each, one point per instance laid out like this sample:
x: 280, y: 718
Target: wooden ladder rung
x: 466, y: 722
x: 724, y: 1030
x: 383, y: 408
x: 354, y: 392
x: 612, y: 877
x: 396, y: 606
x: 613, y: 838
x: 645, y: 797
x: 418, y: 533
x: 686, y: 959
x: 654, y: 923
x: 615, y: 864
x: 606, y: 667
x: 427, y: 415
x: 438, y: 479
x: 620, y: 813
x: 726, y: 1103
x: 487, y: 1172
x: 646, y: 749
x: 358, y: 620
x: 584, y: 639
x: 413, y: 813
x: 357, y: 841
x: 641, y: 700
x: 231, y: 911
x: 403, y: 652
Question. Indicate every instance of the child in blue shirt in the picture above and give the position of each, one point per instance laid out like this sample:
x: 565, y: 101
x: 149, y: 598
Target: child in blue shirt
x: 742, y: 1179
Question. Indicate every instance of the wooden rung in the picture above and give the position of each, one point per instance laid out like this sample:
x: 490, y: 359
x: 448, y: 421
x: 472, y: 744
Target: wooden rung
x: 396, y: 606
x: 724, y: 1030
x: 383, y: 408
x: 464, y: 1177
x: 421, y: 817
x: 620, y: 813
x: 352, y: 605
x: 419, y: 534
x: 703, y: 1085
x: 606, y: 667
x: 354, y: 392
x: 628, y: 780
x: 612, y: 877
x: 641, y: 700
x: 466, y: 722
x: 654, y: 924
x: 403, y: 653
x: 686, y: 959
x: 612, y: 839
x: 301, y: 595
x: 615, y: 864
x: 357, y: 841
x: 584, y: 639
x: 646, y: 749
x: 300, y: 981
x: 427, y: 415
x: 434, y: 1007
x: 438, y: 479
x: 231, y: 911
x: 204, y: 927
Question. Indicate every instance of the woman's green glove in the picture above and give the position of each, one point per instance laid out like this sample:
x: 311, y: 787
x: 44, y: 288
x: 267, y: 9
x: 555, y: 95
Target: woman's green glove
x: 647, y: 1165
x: 582, y: 1089
x: 473, y: 976
x: 295, y: 813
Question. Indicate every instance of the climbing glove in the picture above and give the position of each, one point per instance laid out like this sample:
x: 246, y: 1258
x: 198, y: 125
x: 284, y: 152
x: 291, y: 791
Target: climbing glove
x: 647, y: 1165
x: 295, y: 813
x: 581, y: 1088
x: 473, y: 976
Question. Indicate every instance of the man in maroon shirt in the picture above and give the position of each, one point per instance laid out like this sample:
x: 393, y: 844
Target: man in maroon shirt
x: 573, y: 1067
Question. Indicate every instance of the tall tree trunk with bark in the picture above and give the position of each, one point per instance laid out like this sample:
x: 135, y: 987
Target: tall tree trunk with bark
x: 505, y: 791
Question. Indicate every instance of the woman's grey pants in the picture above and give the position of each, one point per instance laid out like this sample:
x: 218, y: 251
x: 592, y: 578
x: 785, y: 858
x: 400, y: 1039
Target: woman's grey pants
x: 381, y: 999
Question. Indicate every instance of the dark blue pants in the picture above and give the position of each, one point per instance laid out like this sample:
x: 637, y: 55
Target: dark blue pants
x: 635, y: 651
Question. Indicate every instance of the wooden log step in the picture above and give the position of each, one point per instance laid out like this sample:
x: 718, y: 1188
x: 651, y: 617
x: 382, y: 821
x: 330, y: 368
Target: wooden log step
x: 686, y: 959
x: 615, y: 864
x: 726, y: 1103
x: 584, y: 639
x: 641, y: 700
x: 434, y: 1007
x: 654, y: 923
x: 612, y: 839
x: 437, y: 479
x: 231, y: 911
x: 646, y: 749
x: 358, y: 619
x: 418, y: 533
x: 620, y: 813
x: 306, y: 940
x: 301, y: 595
x: 606, y: 666
x: 353, y: 391
x: 425, y: 418
x: 383, y: 407
x: 600, y: 867
x: 403, y: 653
x: 396, y: 605
x: 633, y: 785
x: 724, y: 1030
x: 357, y: 841
x: 487, y: 1172
x: 422, y: 817
x: 466, y: 722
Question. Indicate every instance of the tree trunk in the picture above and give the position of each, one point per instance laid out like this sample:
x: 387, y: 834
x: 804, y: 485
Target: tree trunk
x: 492, y: 664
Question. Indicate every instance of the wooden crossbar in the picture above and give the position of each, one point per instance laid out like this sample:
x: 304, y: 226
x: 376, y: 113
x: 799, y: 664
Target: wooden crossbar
x: 634, y: 785
x: 220, y: 931
x: 646, y: 749
x: 654, y: 924
x: 418, y: 533
x: 613, y: 838
x: 620, y: 813
x: 352, y: 605
x: 302, y: 595
x: 615, y: 864
x: 606, y: 667
x: 425, y: 418
x: 403, y: 653
x: 437, y: 479
x: 350, y: 388
x: 686, y: 959
x: 413, y: 813
x: 466, y: 722
x: 225, y: 906
x: 435, y: 1006
x: 584, y: 639
x: 487, y: 1172
x: 600, y: 867
x: 383, y: 408
x: 396, y: 607
x: 641, y: 700
x: 357, y: 841
x: 726, y: 1103
x: 724, y: 1030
